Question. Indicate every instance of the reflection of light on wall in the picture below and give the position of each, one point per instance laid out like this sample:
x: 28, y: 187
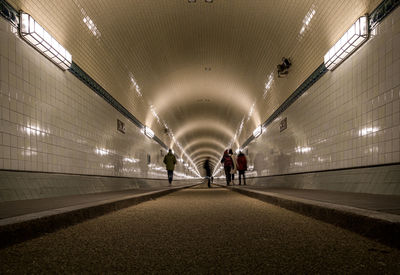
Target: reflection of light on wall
x: 155, y: 167
x: 91, y: 26
x: 251, y: 167
x: 131, y: 160
x: 368, y: 130
x: 153, y: 111
x: 322, y: 140
x: 81, y: 141
x: 88, y: 21
x: 307, y: 19
x: 107, y: 166
x: 102, y: 151
x: 137, y: 88
x: 35, y: 130
x: 298, y: 163
x: 28, y: 152
x: 302, y: 149
x: 268, y: 84
x: 240, y: 127
x: 373, y: 149
x: 251, y: 111
x: 130, y: 170
x: 321, y: 159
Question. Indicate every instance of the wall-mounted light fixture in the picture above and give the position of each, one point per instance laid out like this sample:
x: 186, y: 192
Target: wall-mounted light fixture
x: 148, y: 132
x: 41, y: 40
x: 283, y: 69
x: 257, y: 132
x: 347, y: 44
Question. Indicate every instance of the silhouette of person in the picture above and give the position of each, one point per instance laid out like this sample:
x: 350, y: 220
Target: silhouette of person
x: 170, y: 162
x: 242, y: 167
x: 207, y: 167
x: 228, y: 163
x: 234, y: 167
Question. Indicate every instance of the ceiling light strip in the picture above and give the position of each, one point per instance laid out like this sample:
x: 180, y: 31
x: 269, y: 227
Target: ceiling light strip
x: 32, y: 32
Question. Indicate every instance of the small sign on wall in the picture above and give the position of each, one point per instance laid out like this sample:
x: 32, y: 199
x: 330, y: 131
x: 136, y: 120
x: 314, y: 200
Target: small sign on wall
x: 121, y: 126
x: 283, y: 124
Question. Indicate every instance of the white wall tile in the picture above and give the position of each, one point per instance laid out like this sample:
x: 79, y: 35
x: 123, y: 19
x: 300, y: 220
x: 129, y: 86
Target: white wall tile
x: 349, y: 118
x: 52, y: 122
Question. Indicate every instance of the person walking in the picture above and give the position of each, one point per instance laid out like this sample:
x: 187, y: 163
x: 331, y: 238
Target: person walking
x: 207, y: 167
x: 242, y: 167
x: 228, y: 163
x: 170, y: 162
x: 234, y: 167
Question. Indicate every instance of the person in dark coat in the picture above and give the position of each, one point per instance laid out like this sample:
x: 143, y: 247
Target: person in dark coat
x: 242, y: 167
x: 170, y: 162
x: 207, y: 167
x: 228, y: 164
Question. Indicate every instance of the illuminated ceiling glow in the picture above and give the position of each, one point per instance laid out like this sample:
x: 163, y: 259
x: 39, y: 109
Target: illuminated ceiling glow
x: 154, y: 66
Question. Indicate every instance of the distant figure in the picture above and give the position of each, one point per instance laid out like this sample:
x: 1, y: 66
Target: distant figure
x: 207, y: 167
x: 234, y: 167
x: 212, y: 179
x: 242, y: 167
x: 170, y: 162
x: 228, y: 163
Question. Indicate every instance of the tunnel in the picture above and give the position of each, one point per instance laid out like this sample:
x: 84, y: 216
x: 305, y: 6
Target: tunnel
x: 200, y: 136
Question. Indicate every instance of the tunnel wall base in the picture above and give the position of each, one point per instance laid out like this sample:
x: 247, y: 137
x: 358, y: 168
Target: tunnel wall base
x: 374, y: 180
x: 16, y: 185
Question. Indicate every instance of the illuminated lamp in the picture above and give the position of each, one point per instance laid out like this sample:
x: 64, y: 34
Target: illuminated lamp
x: 41, y: 40
x: 347, y: 44
x: 257, y: 132
x: 148, y: 132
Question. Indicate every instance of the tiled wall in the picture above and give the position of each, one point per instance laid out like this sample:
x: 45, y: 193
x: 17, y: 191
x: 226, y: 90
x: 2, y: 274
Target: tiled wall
x: 349, y: 118
x: 52, y: 122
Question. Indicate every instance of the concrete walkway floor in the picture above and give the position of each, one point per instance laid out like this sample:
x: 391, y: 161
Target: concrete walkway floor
x: 375, y: 202
x: 25, y: 219
x: 201, y: 230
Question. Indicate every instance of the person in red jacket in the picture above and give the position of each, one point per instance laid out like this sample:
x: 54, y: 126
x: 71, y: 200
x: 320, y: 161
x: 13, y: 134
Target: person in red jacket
x: 228, y: 164
x: 241, y: 167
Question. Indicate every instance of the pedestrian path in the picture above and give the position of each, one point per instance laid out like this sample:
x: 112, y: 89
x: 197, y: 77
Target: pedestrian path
x: 24, y: 219
x: 201, y: 231
x: 372, y: 215
x: 382, y: 203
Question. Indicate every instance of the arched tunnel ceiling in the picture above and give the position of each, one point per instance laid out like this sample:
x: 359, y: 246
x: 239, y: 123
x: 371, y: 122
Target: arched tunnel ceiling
x: 201, y: 68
